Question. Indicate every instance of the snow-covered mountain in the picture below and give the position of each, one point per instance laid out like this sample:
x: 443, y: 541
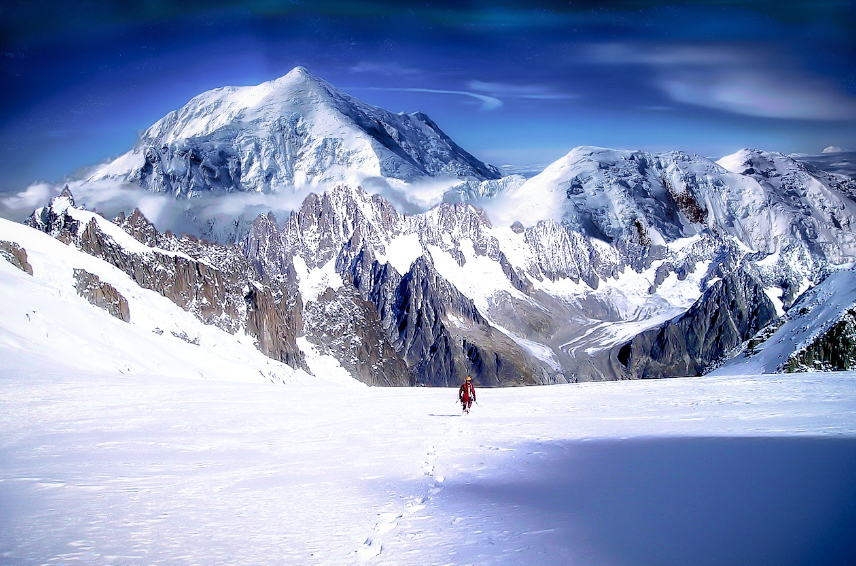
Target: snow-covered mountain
x: 293, y: 131
x: 656, y: 264
x: 609, y: 264
x: 766, y: 200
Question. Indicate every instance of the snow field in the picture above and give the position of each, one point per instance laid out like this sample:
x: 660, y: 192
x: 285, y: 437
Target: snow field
x: 101, y: 468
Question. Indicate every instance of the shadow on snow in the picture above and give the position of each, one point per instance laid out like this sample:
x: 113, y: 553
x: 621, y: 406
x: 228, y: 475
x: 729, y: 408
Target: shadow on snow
x: 668, y: 501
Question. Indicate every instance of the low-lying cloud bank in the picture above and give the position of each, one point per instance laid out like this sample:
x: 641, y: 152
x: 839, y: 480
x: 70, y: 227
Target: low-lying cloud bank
x: 220, y: 216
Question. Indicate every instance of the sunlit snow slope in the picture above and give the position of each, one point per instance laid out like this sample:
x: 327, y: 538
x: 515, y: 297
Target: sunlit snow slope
x: 42, y: 316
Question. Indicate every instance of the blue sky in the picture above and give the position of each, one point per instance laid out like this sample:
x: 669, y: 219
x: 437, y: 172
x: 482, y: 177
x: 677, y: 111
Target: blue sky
x: 511, y: 82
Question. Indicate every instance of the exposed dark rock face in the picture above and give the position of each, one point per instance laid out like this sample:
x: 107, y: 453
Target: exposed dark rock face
x: 193, y: 285
x: 562, y: 252
x: 56, y: 221
x: 275, y: 323
x: 733, y: 310
x: 138, y: 226
x: 183, y: 336
x: 428, y: 332
x: 437, y: 330
x: 16, y: 255
x: 685, y: 200
x: 340, y: 323
x: 101, y: 294
x: 834, y: 350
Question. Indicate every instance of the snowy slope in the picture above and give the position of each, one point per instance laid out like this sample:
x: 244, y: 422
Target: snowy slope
x: 799, y: 202
x: 815, y: 311
x: 42, y: 317
x: 101, y: 468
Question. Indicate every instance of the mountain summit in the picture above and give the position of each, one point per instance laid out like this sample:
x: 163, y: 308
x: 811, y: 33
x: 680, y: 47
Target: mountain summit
x: 295, y: 130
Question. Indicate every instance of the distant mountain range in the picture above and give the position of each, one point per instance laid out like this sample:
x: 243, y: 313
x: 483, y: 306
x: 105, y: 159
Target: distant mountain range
x: 609, y: 264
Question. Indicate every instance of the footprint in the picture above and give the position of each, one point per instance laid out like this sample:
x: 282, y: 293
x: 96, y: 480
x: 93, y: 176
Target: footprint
x: 369, y: 550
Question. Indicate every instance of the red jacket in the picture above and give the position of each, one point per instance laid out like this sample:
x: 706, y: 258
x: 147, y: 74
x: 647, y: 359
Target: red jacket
x: 467, y: 392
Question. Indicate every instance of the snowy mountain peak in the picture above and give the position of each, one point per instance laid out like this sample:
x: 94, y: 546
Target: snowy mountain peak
x: 297, y: 130
x: 747, y: 161
x: 64, y: 195
x: 765, y: 202
x: 299, y: 72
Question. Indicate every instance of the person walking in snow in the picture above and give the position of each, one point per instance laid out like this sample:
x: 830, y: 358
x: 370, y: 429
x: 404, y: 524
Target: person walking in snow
x: 467, y: 394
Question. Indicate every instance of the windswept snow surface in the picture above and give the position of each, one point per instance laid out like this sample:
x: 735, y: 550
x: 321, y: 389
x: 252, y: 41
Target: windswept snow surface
x: 104, y: 468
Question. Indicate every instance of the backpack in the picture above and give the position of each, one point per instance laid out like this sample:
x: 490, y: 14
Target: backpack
x: 467, y: 392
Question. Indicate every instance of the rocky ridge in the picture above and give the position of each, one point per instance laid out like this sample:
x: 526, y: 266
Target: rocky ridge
x: 213, y: 282
x: 16, y: 255
x: 101, y: 294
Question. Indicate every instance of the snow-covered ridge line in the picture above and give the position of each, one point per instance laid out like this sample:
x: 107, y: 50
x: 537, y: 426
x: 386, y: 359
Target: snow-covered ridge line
x: 809, y: 319
x: 63, y: 205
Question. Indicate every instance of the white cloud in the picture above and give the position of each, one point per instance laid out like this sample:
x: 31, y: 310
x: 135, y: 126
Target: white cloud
x: 757, y: 94
x: 216, y: 215
x: 672, y: 55
x: 742, y: 79
x: 383, y: 68
x: 488, y: 102
x: 18, y: 206
x: 533, y: 91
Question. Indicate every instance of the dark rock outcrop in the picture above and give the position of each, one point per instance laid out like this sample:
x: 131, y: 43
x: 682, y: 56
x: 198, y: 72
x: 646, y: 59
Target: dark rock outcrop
x: 730, y: 312
x: 437, y: 330
x: 834, y: 350
x: 428, y: 332
x: 16, y: 255
x: 340, y: 323
x: 101, y: 294
x: 274, y: 323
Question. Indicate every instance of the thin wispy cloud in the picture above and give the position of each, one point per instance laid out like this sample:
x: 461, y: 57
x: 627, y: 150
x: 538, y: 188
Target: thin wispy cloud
x: 383, y: 68
x: 532, y: 91
x: 742, y: 80
x: 664, y: 56
x: 762, y: 95
x: 488, y: 102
